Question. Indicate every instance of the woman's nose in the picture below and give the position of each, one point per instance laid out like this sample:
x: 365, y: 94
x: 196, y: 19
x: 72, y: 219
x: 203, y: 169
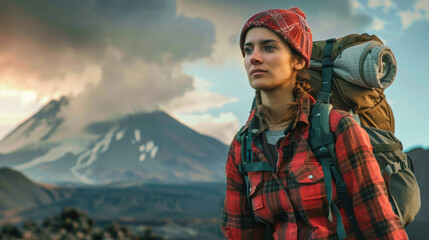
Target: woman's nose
x: 256, y: 57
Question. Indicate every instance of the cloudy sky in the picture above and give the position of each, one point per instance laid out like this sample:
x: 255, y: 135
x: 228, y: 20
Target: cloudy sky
x: 119, y: 57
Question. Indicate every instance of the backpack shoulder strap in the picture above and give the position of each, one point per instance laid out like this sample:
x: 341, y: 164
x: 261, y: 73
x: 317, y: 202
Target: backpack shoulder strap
x: 322, y: 143
x: 247, y: 165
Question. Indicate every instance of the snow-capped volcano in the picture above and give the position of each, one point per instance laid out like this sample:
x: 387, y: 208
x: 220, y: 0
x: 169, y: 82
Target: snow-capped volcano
x: 141, y: 147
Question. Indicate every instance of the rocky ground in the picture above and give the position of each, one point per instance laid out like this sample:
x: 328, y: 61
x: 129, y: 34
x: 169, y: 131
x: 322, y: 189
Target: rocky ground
x: 72, y: 224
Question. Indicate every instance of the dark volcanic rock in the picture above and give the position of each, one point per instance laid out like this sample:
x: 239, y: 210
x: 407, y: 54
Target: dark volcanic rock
x: 71, y: 224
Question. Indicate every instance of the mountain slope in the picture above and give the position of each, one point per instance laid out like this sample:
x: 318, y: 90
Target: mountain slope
x: 148, y: 147
x: 154, y: 147
x: 19, y: 192
x: 37, y: 128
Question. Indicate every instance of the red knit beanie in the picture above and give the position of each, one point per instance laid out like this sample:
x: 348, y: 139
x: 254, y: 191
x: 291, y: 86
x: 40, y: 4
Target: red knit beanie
x: 291, y: 25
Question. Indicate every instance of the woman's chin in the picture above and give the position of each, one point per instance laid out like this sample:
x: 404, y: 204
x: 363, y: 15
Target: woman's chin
x: 259, y: 84
x: 261, y: 88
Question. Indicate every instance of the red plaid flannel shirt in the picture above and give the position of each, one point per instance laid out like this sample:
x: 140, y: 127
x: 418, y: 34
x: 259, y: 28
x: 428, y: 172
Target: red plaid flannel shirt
x: 293, y: 199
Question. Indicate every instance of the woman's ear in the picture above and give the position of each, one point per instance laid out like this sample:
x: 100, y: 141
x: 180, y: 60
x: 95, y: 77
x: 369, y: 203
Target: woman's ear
x: 299, y: 63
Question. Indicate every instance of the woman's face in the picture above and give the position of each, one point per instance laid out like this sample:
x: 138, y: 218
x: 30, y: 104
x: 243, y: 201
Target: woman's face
x: 269, y: 61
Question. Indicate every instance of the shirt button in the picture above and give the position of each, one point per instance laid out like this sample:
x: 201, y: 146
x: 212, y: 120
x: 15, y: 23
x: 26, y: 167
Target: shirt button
x: 310, y: 176
x: 250, y: 189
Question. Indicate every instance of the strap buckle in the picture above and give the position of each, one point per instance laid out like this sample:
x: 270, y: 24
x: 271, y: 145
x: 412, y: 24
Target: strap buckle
x: 323, y: 152
x: 341, y: 187
x: 404, y: 165
x: 394, y: 168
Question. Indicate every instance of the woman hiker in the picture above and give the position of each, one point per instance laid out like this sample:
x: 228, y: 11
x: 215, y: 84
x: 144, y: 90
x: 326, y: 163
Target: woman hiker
x: 291, y: 201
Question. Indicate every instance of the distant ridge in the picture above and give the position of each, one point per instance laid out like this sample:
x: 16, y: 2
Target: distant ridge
x: 19, y: 192
x: 420, y: 158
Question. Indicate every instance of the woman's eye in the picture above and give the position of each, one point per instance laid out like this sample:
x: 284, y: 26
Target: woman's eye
x: 248, y: 51
x: 269, y: 48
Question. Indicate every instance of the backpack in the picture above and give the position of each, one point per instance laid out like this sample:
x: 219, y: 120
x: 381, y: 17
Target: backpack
x: 396, y: 167
x: 368, y: 102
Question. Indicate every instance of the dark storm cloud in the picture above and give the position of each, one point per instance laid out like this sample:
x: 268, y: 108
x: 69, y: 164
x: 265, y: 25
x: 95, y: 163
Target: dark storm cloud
x: 115, y: 57
x: 52, y: 37
x: 327, y: 18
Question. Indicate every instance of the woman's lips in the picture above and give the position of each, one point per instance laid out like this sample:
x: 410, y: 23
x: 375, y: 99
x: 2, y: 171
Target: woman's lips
x: 258, y: 72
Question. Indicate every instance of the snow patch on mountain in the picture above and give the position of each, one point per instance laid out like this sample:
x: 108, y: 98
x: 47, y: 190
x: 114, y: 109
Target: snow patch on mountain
x: 149, y: 149
x: 153, y: 152
x: 137, y: 135
x: 90, y: 156
x: 73, y: 146
x: 149, y: 145
x: 120, y: 134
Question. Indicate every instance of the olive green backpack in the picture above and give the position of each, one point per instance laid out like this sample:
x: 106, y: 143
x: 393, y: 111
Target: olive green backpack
x: 370, y: 108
